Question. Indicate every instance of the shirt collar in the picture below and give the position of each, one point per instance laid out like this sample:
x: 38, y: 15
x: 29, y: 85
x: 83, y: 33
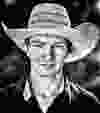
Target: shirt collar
x: 68, y: 86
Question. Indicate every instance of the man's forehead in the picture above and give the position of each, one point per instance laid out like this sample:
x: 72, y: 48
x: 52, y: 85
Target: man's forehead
x: 47, y: 38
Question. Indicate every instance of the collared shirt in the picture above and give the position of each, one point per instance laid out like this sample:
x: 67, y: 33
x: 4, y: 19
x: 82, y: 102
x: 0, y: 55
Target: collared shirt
x: 49, y: 100
x: 27, y: 91
x: 69, y: 87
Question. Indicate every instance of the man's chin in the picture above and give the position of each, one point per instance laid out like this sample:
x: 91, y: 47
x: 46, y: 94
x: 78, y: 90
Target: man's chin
x: 47, y: 74
x: 47, y: 66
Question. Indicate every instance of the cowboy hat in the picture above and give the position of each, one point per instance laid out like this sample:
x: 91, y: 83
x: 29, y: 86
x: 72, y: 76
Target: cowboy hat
x: 49, y: 18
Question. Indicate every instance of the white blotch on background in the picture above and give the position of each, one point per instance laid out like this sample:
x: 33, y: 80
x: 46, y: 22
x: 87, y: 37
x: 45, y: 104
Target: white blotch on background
x: 10, y: 2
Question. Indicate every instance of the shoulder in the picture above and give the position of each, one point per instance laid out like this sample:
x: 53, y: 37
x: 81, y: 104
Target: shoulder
x: 85, y: 97
x: 80, y: 95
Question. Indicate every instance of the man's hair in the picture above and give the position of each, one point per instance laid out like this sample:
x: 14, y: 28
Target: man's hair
x: 27, y: 41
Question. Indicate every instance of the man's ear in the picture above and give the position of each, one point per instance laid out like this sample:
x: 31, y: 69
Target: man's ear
x: 66, y: 54
x: 26, y: 49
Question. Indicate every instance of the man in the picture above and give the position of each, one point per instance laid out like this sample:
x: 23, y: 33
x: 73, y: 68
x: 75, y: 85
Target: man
x: 50, y: 42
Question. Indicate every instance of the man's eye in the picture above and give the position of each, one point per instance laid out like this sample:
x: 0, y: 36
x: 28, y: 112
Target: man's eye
x: 36, y: 45
x: 60, y: 46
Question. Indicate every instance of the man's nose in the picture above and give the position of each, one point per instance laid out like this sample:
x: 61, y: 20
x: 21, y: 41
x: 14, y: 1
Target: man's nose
x: 48, y: 52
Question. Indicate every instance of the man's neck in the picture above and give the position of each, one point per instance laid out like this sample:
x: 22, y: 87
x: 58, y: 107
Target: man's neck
x: 48, y: 86
x: 55, y: 87
x: 46, y: 98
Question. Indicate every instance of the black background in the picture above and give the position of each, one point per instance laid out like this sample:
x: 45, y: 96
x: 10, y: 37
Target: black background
x: 16, y: 15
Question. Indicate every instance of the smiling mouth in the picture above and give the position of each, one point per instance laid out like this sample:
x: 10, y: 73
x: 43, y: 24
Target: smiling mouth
x: 47, y: 65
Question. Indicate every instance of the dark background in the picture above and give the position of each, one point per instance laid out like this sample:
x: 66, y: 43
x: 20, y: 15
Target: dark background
x: 16, y: 14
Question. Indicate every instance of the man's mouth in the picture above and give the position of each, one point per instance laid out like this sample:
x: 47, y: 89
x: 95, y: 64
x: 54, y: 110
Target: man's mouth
x: 47, y: 64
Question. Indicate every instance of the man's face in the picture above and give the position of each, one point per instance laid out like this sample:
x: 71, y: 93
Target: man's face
x: 47, y: 54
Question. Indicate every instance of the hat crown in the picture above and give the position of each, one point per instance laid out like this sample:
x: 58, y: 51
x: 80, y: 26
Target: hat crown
x: 48, y: 14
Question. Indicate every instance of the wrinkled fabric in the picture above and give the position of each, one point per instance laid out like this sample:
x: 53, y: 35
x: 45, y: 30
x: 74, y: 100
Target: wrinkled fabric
x: 72, y: 94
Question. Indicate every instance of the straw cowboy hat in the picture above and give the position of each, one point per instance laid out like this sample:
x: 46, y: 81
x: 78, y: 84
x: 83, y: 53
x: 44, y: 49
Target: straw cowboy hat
x: 48, y: 18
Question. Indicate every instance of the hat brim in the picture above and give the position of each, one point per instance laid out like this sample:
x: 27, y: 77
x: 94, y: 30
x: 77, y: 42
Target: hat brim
x: 82, y: 40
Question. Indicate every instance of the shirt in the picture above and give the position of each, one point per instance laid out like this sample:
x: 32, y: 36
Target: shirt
x: 69, y: 92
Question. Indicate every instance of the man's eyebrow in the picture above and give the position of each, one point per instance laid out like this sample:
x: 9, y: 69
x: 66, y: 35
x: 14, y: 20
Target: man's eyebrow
x: 37, y: 42
x: 60, y: 42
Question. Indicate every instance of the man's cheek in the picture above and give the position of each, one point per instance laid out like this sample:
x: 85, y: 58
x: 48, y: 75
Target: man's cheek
x: 59, y: 59
x: 35, y: 54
